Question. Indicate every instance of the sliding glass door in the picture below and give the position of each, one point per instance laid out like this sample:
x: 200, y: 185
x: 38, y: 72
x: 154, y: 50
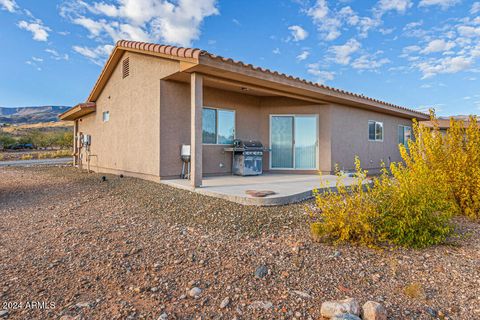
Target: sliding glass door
x: 281, y: 135
x: 305, y: 142
x: 293, y: 140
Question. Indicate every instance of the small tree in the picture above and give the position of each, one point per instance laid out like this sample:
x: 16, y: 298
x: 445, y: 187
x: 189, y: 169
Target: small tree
x: 6, y: 139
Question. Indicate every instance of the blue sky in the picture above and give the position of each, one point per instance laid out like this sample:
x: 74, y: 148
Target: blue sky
x: 415, y: 53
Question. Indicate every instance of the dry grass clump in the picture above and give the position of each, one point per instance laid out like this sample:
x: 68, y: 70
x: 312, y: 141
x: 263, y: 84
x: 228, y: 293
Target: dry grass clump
x: 415, y: 291
x: 26, y: 157
x: 54, y: 154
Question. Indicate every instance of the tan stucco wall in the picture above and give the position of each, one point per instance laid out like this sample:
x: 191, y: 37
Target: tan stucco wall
x: 130, y: 141
x: 350, y: 138
x: 252, y: 121
x: 175, y: 126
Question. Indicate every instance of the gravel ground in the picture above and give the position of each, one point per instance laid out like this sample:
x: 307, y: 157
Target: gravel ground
x: 74, y: 247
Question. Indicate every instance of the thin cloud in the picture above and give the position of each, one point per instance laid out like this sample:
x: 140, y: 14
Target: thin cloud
x: 303, y: 55
x: 438, y: 45
x: 9, y: 5
x: 330, y: 22
x: 97, y: 55
x: 369, y: 62
x: 298, y: 33
x: 341, y: 54
x: 57, y: 56
x: 399, y: 6
x: 328, y: 25
x: 321, y: 76
x: 446, y: 65
x: 144, y: 20
x: 38, y: 30
x: 444, y: 4
x: 475, y: 8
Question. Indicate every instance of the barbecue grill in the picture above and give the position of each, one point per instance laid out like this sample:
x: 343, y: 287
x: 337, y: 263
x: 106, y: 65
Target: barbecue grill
x: 247, y: 157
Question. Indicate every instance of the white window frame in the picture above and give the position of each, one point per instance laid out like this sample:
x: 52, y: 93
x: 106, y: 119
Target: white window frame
x: 107, y: 113
x: 405, y: 140
x: 216, y: 126
x: 383, y: 131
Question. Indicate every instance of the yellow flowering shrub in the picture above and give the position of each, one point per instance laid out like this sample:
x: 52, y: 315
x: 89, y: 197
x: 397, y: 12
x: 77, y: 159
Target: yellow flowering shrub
x: 460, y: 162
x: 411, y: 203
x: 413, y: 214
x: 400, y: 209
x: 454, y: 157
x: 347, y: 214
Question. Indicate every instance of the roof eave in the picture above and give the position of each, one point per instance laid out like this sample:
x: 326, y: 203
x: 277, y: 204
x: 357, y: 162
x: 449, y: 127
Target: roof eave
x: 320, y: 92
x: 192, y: 59
x: 78, y: 111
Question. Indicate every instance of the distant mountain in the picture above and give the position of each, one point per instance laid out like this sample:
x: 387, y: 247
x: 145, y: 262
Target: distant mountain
x: 28, y: 115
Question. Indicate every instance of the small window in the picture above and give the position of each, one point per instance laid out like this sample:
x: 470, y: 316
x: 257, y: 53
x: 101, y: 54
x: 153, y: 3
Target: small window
x: 218, y: 126
x: 106, y: 116
x: 375, y: 130
x: 125, y: 68
x: 404, y: 134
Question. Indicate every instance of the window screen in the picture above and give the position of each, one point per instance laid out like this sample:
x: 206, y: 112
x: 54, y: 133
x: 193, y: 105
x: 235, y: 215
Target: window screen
x: 404, y: 134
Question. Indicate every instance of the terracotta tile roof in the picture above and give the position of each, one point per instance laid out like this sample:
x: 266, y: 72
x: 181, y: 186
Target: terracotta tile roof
x: 160, y: 48
x: 195, y: 53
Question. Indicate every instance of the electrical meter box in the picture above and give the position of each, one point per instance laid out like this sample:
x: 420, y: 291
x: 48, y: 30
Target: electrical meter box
x: 87, y: 140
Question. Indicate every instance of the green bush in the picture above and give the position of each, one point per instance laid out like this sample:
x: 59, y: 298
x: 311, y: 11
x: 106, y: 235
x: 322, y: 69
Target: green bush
x: 6, y: 139
x: 40, y: 139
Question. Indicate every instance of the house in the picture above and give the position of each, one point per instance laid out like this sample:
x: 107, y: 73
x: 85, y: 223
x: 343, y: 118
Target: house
x: 444, y: 123
x: 151, y: 98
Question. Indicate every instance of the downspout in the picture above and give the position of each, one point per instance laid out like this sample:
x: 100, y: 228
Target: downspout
x: 75, y: 143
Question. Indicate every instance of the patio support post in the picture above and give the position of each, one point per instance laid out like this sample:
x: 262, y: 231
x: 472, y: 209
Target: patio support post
x: 196, y: 105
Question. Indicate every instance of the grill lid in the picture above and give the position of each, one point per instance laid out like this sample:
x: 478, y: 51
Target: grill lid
x: 248, y: 144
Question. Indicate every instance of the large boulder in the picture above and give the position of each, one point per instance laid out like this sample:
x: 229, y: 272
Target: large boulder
x: 374, y: 311
x: 338, y: 307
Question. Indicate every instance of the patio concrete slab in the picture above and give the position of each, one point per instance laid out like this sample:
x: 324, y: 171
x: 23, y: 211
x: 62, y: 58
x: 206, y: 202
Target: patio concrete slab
x: 288, y: 188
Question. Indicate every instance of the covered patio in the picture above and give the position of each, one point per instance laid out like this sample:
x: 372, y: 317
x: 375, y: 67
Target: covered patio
x: 287, y: 188
x: 253, y: 105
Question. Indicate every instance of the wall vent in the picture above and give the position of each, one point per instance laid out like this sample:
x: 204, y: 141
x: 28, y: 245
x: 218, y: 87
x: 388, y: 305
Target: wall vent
x: 125, y: 68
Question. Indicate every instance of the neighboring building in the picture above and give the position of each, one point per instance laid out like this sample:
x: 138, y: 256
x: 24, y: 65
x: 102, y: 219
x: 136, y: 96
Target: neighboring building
x: 150, y: 99
x: 444, y: 123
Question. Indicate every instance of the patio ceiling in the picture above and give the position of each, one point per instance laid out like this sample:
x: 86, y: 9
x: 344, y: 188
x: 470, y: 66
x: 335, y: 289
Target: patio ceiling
x: 254, y: 89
